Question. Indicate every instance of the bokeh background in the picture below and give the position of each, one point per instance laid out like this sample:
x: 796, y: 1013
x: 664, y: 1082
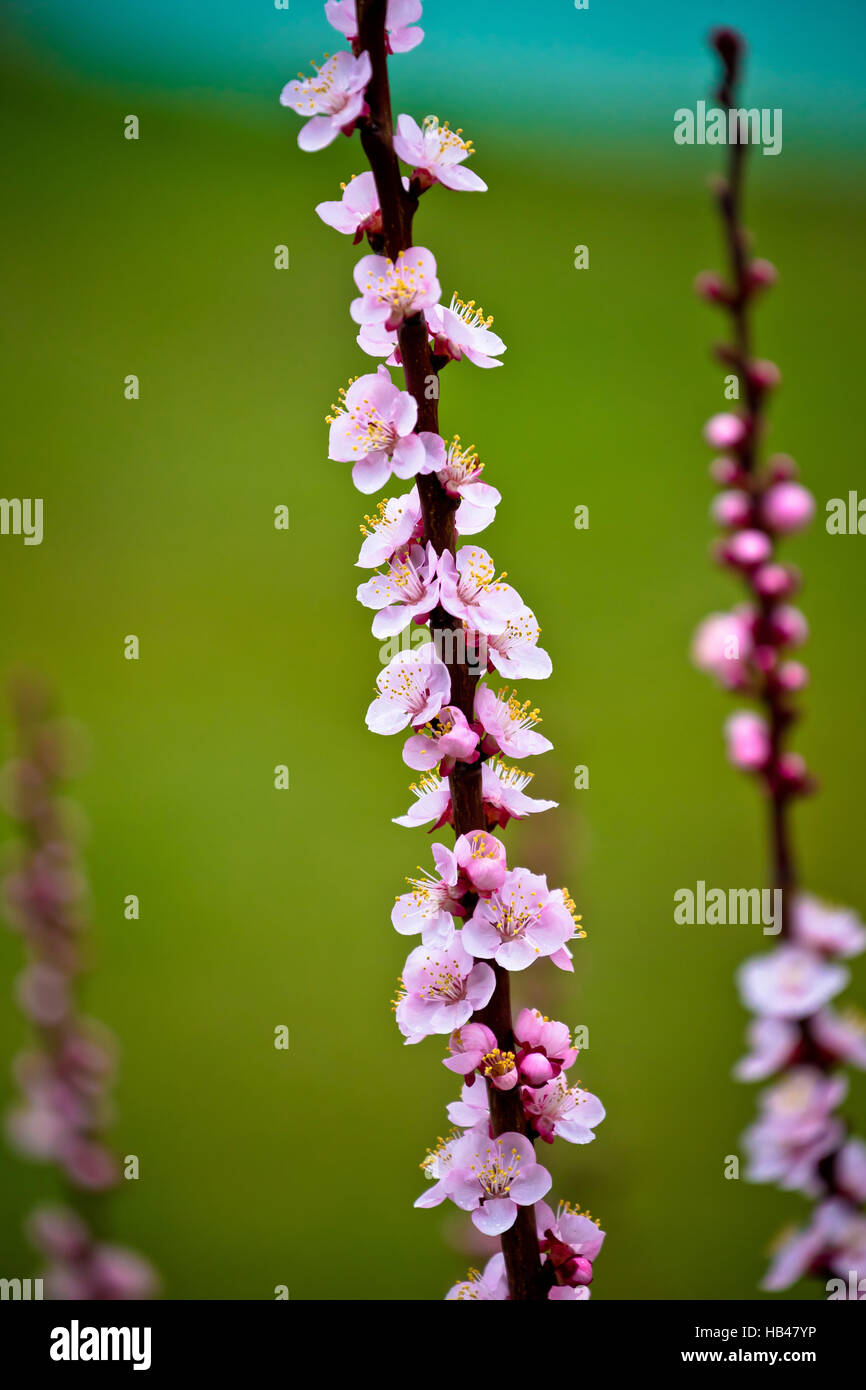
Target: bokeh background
x: 260, y: 907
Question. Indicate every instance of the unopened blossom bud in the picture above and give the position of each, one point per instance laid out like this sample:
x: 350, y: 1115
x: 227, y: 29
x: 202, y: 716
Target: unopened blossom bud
x: 710, y: 286
x: 747, y: 549
x: 725, y: 431
x: 761, y: 274
x: 732, y: 508
x: 536, y: 1069
x: 789, y: 626
x: 764, y: 375
x: 792, y: 675
x: 781, y: 468
x: 774, y: 581
x: 787, y: 507
x: 747, y: 737
x: 728, y: 472
x: 791, y: 769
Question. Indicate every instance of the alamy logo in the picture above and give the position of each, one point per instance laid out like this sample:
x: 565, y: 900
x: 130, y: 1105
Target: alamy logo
x: 22, y: 516
x: 76, y: 1343
x: 734, y: 126
x: 21, y: 1289
x: 715, y: 907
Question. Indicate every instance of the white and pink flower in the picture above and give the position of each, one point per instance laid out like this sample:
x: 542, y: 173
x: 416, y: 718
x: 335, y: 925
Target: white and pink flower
x: 331, y: 100
x: 373, y: 428
x: 564, y: 1111
x: 433, y: 903
x: 508, y: 724
x: 489, y: 1285
x: 401, y: 18
x: 392, y: 291
x: 444, y: 741
x: 795, y: 1130
x: 462, y: 330
x: 514, y: 652
x: 471, y: 591
x: 519, y: 922
x: 824, y: 927
x: 357, y: 214
x: 397, y: 525
x: 723, y: 645
x: 461, y: 478
x: 413, y: 687
x: 491, y: 1178
x: 444, y: 987
x: 436, y: 154
x: 505, y: 799
x: 789, y: 982
x: 543, y: 1047
x: 408, y: 589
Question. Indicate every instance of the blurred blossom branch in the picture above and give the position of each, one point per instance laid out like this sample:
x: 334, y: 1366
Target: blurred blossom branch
x: 799, y: 1141
x: 65, y: 1074
x: 457, y: 981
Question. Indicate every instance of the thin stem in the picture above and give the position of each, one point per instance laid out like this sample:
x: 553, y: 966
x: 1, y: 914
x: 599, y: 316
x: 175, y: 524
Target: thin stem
x: 520, y: 1243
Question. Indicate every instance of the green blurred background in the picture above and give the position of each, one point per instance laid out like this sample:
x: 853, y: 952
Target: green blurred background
x: 261, y: 907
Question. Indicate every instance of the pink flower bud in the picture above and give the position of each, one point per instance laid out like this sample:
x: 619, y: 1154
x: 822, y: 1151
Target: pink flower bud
x: 764, y: 658
x: 782, y: 468
x: 792, y: 675
x: 536, y: 1070
x: 765, y: 375
x: 789, y: 626
x: 732, y: 508
x: 727, y: 472
x: 747, y: 736
x: 725, y: 431
x: 787, y: 506
x: 748, y: 548
x: 710, y: 286
x: 761, y: 274
x: 774, y: 581
x: 791, y: 770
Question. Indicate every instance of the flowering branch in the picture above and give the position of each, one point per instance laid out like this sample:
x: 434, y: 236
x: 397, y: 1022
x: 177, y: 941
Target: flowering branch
x: 457, y: 981
x: 798, y: 1142
x: 65, y: 1075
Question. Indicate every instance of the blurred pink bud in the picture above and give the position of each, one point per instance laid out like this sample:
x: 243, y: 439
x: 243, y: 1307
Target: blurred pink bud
x: 122, y: 1274
x: 43, y: 994
x: 727, y: 472
x: 782, y: 468
x: 748, y: 548
x: 761, y: 274
x: 710, y: 286
x: 789, y: 626
x: 765, y: 375
x: 90, y: 1165
x: 787, y: 506
x: 774, y: 581
x: 791, y: 770
x: 58, y: 1232
x: 536, y: 1069
x: 725, y: 431
x: 747, y: 736
x: 792, y: 675
x: 732, y: 508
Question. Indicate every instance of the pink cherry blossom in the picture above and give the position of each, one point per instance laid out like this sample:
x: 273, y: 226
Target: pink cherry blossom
x: 471, y: 591
x: 491, y: 1178
x: 773, y: 1043
x: 396, y: 525
x: 490, y: 1285
x: 543, y: 1047
x: 831, y: 1237
x: 400, y: 17
x: 413, y: 687
x: 408, y: 589
x: 787, y: 507
x: 472, y: 1110
x: 514, y: 652
x: 519, y: 922
x: 436, y: 154
x: 747, y: 736
x: 789, y: 982
x: 461, y: 330
x: 795, y: 1130
x: 332, y: 99
x: 841, y: 1037
x: 433, y: 902
x: 725, y: 431
x: 508, y: 725
x: 443, y: 987
x: 722, y: 646
x: 392, y: 291
x: 357, y: 212
x: 461, y: 478
x: 437, y: 1166
x: 444, y: 741
x: 432, y: 802
x: 568, y: 1227
x: 834, y: 931
x: 467, y: 1046
x: 504, y: 796
x: 482, y: 861
x: 373, y: 428
x: 562, y: 1110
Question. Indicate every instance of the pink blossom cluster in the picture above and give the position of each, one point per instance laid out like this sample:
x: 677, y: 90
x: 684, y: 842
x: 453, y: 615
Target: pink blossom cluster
x: 477, y: 917
x: 64, y: 1075
x: 799, y: 1141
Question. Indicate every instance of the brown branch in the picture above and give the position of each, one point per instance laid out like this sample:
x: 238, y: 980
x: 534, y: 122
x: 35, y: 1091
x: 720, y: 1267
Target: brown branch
x: 520, y: 1243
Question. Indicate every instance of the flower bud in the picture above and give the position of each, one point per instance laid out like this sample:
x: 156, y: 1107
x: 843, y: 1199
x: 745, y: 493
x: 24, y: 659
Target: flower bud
x: 725, y: 431
x: 732, y: 508
x: 787, y: 507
